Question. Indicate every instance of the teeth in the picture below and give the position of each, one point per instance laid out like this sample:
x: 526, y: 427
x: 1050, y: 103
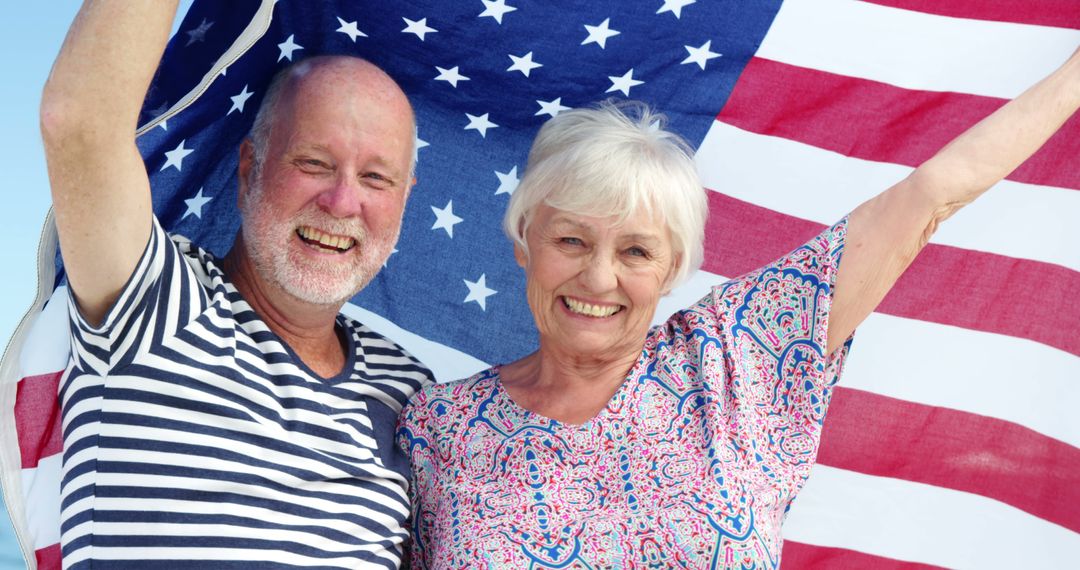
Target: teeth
x: 340, y: 243
x: 589, y: 309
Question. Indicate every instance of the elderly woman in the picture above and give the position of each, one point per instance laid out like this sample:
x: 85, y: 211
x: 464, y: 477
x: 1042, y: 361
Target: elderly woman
x: 615, y: 445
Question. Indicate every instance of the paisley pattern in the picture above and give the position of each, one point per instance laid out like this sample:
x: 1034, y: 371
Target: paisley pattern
x: 692, y: 464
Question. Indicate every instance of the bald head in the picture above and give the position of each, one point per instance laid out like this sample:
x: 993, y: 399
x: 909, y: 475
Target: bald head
x: 351, y: 78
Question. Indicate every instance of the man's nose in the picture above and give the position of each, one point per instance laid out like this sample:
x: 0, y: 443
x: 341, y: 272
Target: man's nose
x: 344, y: 199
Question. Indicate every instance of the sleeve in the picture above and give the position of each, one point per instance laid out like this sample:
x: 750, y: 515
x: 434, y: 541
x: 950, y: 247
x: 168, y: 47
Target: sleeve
x: 772, y: 324
x: 162, y: 294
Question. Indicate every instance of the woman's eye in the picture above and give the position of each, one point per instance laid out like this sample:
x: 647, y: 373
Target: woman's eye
x: 570, y: 241
x: 637, y: 252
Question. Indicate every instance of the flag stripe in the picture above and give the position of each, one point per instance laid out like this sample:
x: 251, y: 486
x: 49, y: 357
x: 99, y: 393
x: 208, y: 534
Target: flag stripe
x: 876, y: 435
x: 945, y: 284
x: 37, y: 418
x: 916, y: 361
x: 1057, y: 13
x: 48, y: 558
x: 799, y: 555
x: 903, y: 520
x: 822, y: 186
x: 877, y: 121
x: 916, y: 50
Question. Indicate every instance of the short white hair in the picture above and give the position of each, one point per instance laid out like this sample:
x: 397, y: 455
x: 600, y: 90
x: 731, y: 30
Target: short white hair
x: 614, y: 159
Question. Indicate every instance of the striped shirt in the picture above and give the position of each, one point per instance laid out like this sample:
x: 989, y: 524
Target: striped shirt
x: 195, y: 437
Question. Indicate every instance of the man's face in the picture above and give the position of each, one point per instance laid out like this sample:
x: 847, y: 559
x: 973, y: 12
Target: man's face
x: 324, y: 212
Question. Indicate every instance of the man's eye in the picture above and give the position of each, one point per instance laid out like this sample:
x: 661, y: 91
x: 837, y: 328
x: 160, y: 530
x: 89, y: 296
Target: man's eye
x: 312, y: 164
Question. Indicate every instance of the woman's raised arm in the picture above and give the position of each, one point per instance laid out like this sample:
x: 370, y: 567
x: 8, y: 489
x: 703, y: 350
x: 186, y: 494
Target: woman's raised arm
x: 888, y: 231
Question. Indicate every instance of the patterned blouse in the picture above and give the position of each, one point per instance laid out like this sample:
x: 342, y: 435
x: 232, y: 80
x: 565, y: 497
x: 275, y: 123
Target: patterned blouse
x: 692, y: 464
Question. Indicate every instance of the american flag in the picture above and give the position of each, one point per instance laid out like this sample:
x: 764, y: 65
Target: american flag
x: 952, y: 441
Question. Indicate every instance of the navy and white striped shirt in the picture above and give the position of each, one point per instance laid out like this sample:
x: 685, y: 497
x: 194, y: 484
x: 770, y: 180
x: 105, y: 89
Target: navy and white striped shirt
x: 195, y: 437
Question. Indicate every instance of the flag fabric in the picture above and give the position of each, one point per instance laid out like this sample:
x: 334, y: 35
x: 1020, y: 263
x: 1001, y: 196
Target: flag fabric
x: 953, y: 438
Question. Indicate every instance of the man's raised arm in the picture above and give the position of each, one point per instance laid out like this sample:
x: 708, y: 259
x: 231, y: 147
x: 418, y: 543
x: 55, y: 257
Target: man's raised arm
x: 89, y: 113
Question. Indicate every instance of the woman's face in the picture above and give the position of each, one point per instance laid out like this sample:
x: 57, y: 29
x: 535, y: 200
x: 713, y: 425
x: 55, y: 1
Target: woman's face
x: 592, y: 284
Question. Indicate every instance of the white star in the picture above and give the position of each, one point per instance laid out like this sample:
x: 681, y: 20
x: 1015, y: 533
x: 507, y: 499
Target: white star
x: 419, y: 28
x: 623, y: 83
x: 478, y: 291
x: 287, y: 48
x: 418, y: 143
x: 508, y: 181
x: 195, y: 205
x: 675, y: 7
x: 175, y: 157
x: 599, y: 34
x: 239, y: 100
x: 164, y: 124
x: 700, y: 55
x: 199, y: 33
x: 553, y: 107
x: 451, y: 76
x: 387, y: 260
x: 524, y: 64
x: 350, y: 29
x: 480, y: 124
x: 495, y: 9
x: 445, y: 218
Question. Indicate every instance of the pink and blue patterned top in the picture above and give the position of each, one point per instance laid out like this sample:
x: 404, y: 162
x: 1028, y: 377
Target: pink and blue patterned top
x: 692, y: 464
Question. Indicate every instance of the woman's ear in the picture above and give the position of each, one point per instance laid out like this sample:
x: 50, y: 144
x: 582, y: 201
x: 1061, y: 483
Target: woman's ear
x: 520, y: 255
x: 669, y: 280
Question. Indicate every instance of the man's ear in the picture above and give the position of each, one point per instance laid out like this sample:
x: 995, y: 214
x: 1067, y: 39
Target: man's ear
x: 244, y: 169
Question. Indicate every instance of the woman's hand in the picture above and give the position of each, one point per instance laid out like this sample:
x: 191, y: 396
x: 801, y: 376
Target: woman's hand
x: 888, y: 231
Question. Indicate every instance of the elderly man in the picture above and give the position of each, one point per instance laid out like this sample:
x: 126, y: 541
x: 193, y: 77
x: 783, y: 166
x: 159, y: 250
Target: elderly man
x: 222, y: 413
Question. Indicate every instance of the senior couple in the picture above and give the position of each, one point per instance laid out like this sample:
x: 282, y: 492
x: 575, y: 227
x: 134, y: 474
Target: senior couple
x: 222, y: 413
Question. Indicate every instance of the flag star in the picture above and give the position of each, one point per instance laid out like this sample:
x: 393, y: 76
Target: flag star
x: 553, y: 107
x: 478, y: 291
x: 195, y: 205
x: 675, y: 7
x: 623, y: 83
x: 287, y: 48
x: 524, y: 64
x: 164, y: 124
x: 350, y: 29
x: 418, y: 143
x: 451, y: 76
x: 239, y: 100
x: 419, y: 28
x: 480, y: 124
x: 223, y: 70
x: 199, y: 33
x: 508, y: 181
x: 600, y: 34
x: 387, y: 260
x: 445, y: 219
x: 495, y: 9
x: 175, y: 157
x: 700, y: 55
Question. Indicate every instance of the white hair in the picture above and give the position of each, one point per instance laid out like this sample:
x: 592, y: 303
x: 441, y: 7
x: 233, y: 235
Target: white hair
x: 612, y: 160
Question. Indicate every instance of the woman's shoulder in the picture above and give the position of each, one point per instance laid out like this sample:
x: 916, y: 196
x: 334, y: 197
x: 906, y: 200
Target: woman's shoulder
x: 456, y: 393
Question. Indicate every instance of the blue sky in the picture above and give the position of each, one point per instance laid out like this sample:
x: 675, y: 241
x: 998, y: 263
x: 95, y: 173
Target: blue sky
x: 30, y: 38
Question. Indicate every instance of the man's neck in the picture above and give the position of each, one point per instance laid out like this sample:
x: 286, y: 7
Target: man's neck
x: 308, y: 329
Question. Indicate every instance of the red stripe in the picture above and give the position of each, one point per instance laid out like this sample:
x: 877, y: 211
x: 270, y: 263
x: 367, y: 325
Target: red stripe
x: 876, y: 121
x: 947, y: 285
x: 887, y: 437
x: 799, y: 555
x: 37, y: 418
x: 48, y: 558
x: 1057, y: 13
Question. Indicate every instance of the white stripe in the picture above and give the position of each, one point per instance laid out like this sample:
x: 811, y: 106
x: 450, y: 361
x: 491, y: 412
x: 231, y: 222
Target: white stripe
x: 1012, y: 219
x: 46, y: 348
x: 41, y: 486
x: 445, y: 362
x: 922, y: 523
x: 1010, y: 378
x: 915, y: 50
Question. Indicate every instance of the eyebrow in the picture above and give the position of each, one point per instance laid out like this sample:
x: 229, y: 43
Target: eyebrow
x: 560, y: 223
